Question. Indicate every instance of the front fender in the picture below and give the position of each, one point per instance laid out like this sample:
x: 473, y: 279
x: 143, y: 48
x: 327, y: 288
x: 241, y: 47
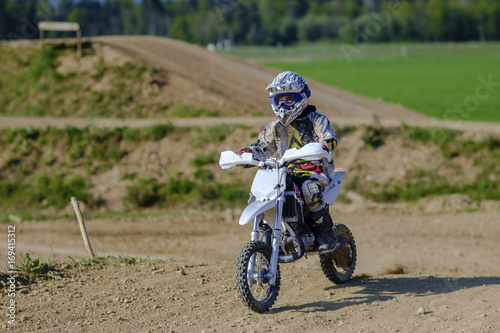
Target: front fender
x: 254, y: 209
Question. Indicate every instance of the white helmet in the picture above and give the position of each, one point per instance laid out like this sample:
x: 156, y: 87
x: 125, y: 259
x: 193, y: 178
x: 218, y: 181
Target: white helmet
x: 288, y: 83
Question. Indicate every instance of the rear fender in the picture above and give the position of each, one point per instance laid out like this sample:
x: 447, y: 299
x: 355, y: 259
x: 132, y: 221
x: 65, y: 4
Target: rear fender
x: 332, y: 189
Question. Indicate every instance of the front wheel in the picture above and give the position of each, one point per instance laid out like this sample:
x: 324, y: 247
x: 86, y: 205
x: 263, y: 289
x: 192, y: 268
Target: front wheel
x: 253, y: 264
x: 339, y: 268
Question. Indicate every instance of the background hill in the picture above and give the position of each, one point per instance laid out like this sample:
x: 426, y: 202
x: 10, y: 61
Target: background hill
x: 192, y: 100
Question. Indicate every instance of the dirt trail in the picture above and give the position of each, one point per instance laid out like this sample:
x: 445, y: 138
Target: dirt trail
x: 15, y: 122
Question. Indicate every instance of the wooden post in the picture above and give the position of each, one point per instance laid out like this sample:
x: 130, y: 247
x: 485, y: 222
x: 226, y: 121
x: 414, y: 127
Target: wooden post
x: 79, y: 43
x: 41, y: 39
x: 15, y: 219
x: 79, y: 216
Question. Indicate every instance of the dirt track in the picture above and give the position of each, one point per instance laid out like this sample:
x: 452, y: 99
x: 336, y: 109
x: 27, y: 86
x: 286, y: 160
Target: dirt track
x: 449, y: 262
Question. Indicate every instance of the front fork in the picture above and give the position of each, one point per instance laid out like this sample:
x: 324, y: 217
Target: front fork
x: 275, y: 243
x: 270, y: 276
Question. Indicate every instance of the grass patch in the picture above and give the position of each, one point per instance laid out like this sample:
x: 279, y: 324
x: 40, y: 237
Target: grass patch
x: 91, y: 151
x: 47, y: 189
x: 324, y: 50
x: 34, y: 268
x: 202, y: 190
x: 56, y: 188
x: 435, y: 85
x: 101, y: 261
x: 373, y: 136
x: 187, y: 111
x: 33, y: 85
x: 436, y: 135
x: 24, y: 215
x: 420, y: 182
x: 203, y: 160
x: 343, y: 130
x: 159, y: 131
x: 110, y: 260
x: 145, y: 192
x: 113, y: 215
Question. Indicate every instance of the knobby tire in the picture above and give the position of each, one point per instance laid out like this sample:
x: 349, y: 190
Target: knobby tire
x: 244, y: 285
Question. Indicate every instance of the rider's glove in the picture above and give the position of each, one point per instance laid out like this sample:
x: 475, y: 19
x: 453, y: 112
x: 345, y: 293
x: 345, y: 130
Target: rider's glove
x: 244, y: 150
x: 330, y: 144
x: 325, y: 147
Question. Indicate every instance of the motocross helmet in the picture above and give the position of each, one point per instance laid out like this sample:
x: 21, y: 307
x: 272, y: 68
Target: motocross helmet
x: 293, y: 86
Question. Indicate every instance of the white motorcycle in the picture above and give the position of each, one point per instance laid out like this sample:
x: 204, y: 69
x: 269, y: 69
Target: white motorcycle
x: 289, y: 236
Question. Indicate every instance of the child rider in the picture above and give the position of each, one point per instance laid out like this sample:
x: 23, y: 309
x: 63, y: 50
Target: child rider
x: 298, y: 124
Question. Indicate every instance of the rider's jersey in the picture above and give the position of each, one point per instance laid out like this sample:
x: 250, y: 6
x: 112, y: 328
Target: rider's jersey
x: 309, y: 126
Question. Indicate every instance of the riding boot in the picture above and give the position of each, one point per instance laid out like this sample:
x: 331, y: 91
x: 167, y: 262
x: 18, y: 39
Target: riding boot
x: 324, y: 225
x: 340, y: 245
x: 326, y: 236
x: 340, y: 240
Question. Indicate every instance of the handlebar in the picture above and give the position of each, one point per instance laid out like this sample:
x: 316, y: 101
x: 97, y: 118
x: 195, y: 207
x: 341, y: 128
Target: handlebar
x: 229, y: 159
x: 311, y: 151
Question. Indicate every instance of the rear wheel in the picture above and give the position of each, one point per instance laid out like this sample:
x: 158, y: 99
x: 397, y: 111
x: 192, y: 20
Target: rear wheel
x: 253, y: 264
x: 339, y: 268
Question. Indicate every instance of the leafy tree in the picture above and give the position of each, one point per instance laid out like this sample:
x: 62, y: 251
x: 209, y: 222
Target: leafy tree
x: 438, y: 19
x: 259, y: 21
x: 180, y: 28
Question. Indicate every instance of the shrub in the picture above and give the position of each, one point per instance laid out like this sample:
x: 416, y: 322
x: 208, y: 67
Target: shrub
x: 373, y: 136
x: 56, y: 189
x: 157, y: 132
x: 181, y: 186
x: 341, y: 131
x: 492, y: 143
x: 437, y: 135
x: 201, y: 161
x: 109, y: 260
x: 203, y: 174
x: 233, y: 193
x: 220, y: 132
x: 6, y: 188
x: 145, y: 192
x: 186, y: 111
x: 44, y: 66
x: 36, y: 268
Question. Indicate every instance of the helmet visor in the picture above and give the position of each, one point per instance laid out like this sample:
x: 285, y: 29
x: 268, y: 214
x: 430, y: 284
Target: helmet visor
x: 286, y: 99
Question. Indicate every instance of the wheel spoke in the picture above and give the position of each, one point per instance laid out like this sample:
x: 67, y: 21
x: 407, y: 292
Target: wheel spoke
x: 259, y: 290
x: 255, y: 289
x: 262, y: 294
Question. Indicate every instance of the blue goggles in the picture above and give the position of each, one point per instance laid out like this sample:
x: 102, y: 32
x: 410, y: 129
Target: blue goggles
x: 287, y: 99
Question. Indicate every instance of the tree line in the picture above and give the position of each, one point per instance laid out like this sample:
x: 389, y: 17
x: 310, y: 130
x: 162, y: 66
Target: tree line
x: 262, y: 22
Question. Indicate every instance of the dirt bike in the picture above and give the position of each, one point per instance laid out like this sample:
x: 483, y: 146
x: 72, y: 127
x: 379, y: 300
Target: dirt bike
x: 291, y: 235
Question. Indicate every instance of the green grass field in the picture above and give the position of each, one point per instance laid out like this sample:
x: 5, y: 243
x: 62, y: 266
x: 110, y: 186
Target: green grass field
x: 432, y: 78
